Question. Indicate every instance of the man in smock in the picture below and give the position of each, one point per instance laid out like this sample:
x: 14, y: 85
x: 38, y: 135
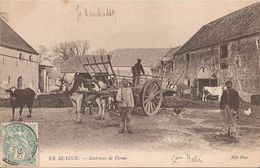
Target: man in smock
x: 126, y: 104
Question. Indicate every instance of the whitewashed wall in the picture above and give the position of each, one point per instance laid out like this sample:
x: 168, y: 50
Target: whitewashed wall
x: 12, y: 67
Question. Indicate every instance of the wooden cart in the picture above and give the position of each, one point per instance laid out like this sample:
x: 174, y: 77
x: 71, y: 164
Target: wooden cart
x: 148, y: 91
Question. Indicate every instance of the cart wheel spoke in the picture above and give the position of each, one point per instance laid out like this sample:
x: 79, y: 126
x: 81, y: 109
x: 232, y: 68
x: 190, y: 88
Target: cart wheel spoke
x: 153, y: 106
x: 151, y: 97
x: 157, y: 93
x: 156, y: 101
x: 155, y: 88
x: 150, y: 107
x: 151, y: 89
x: 148, y: 90
x: 146, y: 101
x: 147, y: 105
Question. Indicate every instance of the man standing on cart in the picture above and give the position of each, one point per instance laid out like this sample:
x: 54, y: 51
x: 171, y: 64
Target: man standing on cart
x: 137, y: 70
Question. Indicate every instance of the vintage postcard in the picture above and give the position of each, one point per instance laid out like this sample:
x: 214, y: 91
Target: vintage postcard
x: 129, y: 83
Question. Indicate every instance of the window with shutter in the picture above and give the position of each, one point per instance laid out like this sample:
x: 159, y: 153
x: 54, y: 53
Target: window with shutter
x: 224, y: 56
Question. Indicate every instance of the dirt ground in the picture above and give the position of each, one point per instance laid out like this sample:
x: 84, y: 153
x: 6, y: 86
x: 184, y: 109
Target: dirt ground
x: 193, y: 129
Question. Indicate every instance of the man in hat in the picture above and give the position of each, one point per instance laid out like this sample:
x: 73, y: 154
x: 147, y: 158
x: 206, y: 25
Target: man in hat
x: 137, y: 70
x: 229, y: 105
x: 126, y: 104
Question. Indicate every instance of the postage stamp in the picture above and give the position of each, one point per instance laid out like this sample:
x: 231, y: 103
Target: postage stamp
x: 20, y: 144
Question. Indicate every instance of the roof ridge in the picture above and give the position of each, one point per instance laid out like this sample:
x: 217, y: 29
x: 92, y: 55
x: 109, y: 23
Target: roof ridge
x: 138, y: 48
x: 236, y: 11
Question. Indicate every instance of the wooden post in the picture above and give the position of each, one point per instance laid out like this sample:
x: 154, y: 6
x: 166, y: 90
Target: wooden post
x: 198, y: 91
x: 109, y: 61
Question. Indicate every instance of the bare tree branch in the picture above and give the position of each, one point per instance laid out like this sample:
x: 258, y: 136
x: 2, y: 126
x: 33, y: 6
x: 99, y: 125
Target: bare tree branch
x: 101, y: 51
x: 69, y: 49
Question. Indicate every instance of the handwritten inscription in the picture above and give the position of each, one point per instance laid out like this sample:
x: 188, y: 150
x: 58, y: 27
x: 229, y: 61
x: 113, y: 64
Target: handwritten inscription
x: 186, y: 158
x: 176, y: 158
x: 97, y: 12
x: 193, y: 159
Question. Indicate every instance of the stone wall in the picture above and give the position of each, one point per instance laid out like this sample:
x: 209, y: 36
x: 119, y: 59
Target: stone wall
x: 243, y: 65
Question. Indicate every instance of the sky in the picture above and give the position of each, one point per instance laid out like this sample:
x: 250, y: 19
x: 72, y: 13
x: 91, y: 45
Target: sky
x: 123, y: 24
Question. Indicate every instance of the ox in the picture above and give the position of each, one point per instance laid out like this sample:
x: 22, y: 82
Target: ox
x: 20, y: 98
x: 211, y: 91
x: 76, y: 85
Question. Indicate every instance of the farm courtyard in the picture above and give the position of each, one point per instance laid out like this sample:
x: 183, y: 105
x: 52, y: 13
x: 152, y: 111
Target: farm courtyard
x: 197, y: 128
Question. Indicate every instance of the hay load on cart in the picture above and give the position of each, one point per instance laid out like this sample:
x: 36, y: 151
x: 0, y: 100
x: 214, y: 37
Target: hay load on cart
x: 148, y: 91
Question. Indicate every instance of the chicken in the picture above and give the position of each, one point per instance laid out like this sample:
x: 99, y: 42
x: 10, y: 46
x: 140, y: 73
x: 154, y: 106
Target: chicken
x: 248, y: 112
x: 177, y: 111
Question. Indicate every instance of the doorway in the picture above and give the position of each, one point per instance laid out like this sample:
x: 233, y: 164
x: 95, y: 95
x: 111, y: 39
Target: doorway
x: 205, y: 78
x: 20, y: 82
x: 206, y: 82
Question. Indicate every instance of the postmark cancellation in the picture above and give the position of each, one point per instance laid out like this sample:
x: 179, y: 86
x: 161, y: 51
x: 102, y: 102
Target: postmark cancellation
x: 20, y: 144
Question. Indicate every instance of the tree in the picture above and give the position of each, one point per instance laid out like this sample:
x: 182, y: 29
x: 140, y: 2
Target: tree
x: 102, y: 51
x: 57, y: 62
x: 65, y: 50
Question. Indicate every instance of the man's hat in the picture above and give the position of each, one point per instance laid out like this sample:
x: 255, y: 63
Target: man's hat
x: 228, y: 82
x: 124, y: 81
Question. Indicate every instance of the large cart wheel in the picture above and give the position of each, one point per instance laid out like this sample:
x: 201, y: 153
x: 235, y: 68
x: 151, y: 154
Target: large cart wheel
x: 151, y: 97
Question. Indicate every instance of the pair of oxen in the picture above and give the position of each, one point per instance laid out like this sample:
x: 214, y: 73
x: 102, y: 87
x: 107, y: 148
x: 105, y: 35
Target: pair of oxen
x: 83, y: 89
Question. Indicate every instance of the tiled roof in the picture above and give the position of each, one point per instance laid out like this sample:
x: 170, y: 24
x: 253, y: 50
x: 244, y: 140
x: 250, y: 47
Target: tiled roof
x: 10, y: 39
x: 240, y: 23
x: 128, y: 56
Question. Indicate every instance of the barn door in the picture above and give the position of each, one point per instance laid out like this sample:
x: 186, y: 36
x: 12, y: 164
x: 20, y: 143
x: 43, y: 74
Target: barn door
x: 20, y: 82
x: 202, y: 83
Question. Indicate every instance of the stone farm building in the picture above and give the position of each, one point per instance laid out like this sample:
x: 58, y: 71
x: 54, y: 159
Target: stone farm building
x: 19, y: 61
x: 123, y: 59
x: 224, y: 49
